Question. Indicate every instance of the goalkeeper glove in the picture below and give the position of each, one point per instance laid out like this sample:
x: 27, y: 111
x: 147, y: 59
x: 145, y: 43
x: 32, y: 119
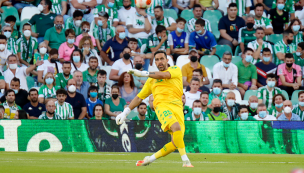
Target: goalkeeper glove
x: 122, y: 116
x: 138, y: 73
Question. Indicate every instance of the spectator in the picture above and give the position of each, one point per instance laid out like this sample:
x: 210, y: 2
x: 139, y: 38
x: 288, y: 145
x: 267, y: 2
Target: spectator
x: 63, y: 108
x: 62, y: 78
x: 142, y: 110
x: 108, y: 7
x: 43, y: 21
x: 60, y: 8
x: 81, y: 86
x: 179, y: 5
x: 90, y: 75
x: 299, y: 55
x: 295, y: 26
x: 262, y: 114
x: 104, y: 89
x: 186, y: 109
x: 4, y: 52
x: 193, y: 94
x: 136, y: 51
x: 243, y: 114
x: 88, y: 50
x: 1, y: 112
x: 229, y: 107
x: 299, y: 108
x: 160, y: 19
x: 179, y: 39
x: 138, y: 64
x: 121, y: 65
x: 50, y: 113
x: 196, y: 114
x: 215, y: 114
x: 74, y: 22
x: 125, y: 12
x: 229, y: 26
x: 198, y: 73
x: 158, y: 41
x: 21, y: 72
x: 150, y: 109
x: 77, y: 61
x: 247, y: 72
x: 42, y: 54
x: 290, y: 75
x: 114, y: 46
x: 86, y: 6
x: 243, y: 7
x: 11, y: 42
x: 66, y: 48
x: 217, y: 91
x: 11, y: 21
x: 51, y: 65
x: 10, y: 105
x: 20, y: 94
x: 114, y: 105
x: 76, y: 100
x: 284, y: 46
x: 247, y: 33
x: 261, y: 21
x: 102, y: 32
x: 287, y: 6
x: 155, y: 3
x: 277, y: 105
x: 253, y: 105
x: 127, y: 87
x: 92, y: 101
x: 34, y: 109
x: 266, y: 93
x: 55, y: 36
x: 85, y: 26
x: 288, y: 115
x: 279, y: 17
x: 209, y: 5
x: 98, y: 112
x: 187, y: 69
x: 202, y: 40
x: 48, y: 90
x: 197, y: 13
x: 226, y: 71
x: 27, y: 46
x: 204, y: 98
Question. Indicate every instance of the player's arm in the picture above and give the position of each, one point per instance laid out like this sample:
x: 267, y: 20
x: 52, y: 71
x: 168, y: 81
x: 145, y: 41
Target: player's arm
x: 154, y: 75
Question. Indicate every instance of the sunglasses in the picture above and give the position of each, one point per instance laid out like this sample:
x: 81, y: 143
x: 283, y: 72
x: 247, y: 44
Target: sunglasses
x: 7, y: 30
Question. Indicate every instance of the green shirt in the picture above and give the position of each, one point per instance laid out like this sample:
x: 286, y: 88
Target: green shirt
x: 103, y: 34
x: 190, y: 117
x: 246, y: 73
x: 69, y: 24
x: 136, y: 118
x: 191, y: 25
x: 254, y: 45
x: 263, y: 22
x: 272, y: 111
x: 43, y: 116
x: 186, y: 110
x: 10, y: 111
x: 298, y: 38
x: 297, y: 110
x: 27, y: 48
x: 55, y: 39
x: 281, y: 47
x: 65, y: 110
x: 220, y: 117
x: 246, y: 36
x: 42, y: 22
x: 250, y: 118
x: 104, y: 92
x: 88, y: 78
x: 94, y: 118
x: 155, y: 3
x: 222, y: 97
x: 56, y: 6
x: 265, y: 95
x: 289, y: 6
x: 153, y: 41
x: 151, y: 114
x: 113, y: 107
x: 37, y: 56
x: 47, y: 93
x: 299, y: 61
x: 15, y: 34
x: 61, y: 81
x: 11, y: 45
x: 112, y: 12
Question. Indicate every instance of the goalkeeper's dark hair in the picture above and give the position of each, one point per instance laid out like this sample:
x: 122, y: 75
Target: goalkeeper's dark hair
x: 160, y: 51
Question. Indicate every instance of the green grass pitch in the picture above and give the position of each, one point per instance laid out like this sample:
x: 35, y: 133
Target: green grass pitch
x: 23, y: 162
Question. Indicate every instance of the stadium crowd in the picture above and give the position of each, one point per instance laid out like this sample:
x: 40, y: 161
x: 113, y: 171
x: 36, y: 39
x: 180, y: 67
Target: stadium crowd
x: 70, y: 59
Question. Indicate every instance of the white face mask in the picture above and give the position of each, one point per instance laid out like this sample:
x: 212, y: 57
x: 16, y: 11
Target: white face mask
x: 72, y: 88
x: 287, y: 110
x: 40, y: 7
x: 42, y: 50
x: 13, y: 66
x: 27, y: 33
x: 78, y: 23
x: 2, y: 46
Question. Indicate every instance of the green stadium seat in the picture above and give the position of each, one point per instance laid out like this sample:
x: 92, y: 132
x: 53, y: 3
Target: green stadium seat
x: 237, y: 51
x: 275, y: 38
x: 132, y: 114
x: 220, y: 49
x: 170, y: 13
x: 30, y: 82
x: 249, y: 93
x: 187, y: 14
x: 167, y: 3
x: 214, y: 17
x: 294, y: 97
x: 285, y: 94
x: 209, y: 61
x: 10, y: 11
x: 236, y: 59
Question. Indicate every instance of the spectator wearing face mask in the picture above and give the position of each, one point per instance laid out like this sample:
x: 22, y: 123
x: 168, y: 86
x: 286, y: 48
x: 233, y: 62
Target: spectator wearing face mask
x: 4, y: 52
x: 196, y: 114
x: 125, y: 11
x: 229, y: 107
x: 253, y: 105
x: 88, y: 51
x: 262, y: 114
x: 77, y: 61
x: 55, y: 36
x: 48, y: 90
x: 85, y: 26
x: 11, y: 21
x: 277, y: 105
x: 11, y: 42
x: 299, y: 55
x: 42, y: 54
x: 217, y: 91
x: 139, y: 81
x: 283, y: 47
x: 110, y: 8
x: 247, y: 33
x: 92, y: 100
x: 216, y: 114
x: 299, y: 108
x: 243, y: 114
x: 74, y: 22
x: 114, y: 105
x: 66, y: 48
x: 279, y: 17
x: 121, y: 65
x: 295, y: 27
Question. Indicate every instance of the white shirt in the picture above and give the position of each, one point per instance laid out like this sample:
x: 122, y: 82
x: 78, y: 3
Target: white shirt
x: 72, y: 9
x: 267, y: 118
x: 123, y: 14
x: 94, y: 53
x: 137, y: 22
x: 3, y: 57
x: 82, y: 68
x: 170, y: 39
x: 191, y: 97
x: 183, y: 3
x: 20, y: 74
x: 227, y: 76
x: 47, y: 65
x: 121, y: 66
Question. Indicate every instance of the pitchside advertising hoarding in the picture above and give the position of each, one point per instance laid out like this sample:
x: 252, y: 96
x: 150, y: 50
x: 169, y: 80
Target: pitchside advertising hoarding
x: 254, y: 137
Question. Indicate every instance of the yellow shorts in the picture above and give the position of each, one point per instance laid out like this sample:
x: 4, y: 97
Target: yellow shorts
x: 169, y: 114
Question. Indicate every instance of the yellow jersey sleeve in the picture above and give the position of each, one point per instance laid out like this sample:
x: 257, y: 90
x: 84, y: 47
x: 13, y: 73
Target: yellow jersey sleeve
x: 146, y: 90
x: 175, y: 72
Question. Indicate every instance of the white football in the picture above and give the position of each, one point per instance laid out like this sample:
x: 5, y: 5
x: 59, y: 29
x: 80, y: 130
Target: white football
x: 143, y: 4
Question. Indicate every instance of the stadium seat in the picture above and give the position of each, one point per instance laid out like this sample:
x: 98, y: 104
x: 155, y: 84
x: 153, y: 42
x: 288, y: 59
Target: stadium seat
x: 220, y: 49
x: 294, y: 97
x: 30, y: 82
x: 209, y: 61
x: 237, y: 51
x: 214, y: 17
x: 10, y: 11
x: 209, y: 75
x: 285, y: 94
x: 238, y: 98
x: 275, y: 38
x: 236, y: 59
x: 182, y: 60
x: 170, y: 13
x: 187, y: 14
x: 28, y: 13
x: 249, y: 93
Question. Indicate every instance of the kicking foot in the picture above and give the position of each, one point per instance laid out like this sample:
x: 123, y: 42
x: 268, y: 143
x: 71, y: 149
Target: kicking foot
x: 187, y: 164
x: 144, y: 162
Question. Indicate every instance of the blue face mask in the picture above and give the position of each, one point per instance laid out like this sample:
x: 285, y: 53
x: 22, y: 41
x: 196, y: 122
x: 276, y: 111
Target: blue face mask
x: 266, y: 59
x: 7, y: 34
x: 262, y: 114
x: 99, y: 22
x: 253, y: 105
x: 197, y: 111
x: 71, y: 41
x: 122, y: 35
x: 76, y: 59
x: 298, y: 53
x: 230, y: 102
x: 281, y: 6
x: 49, y: 81
x: 244, y: 116
x: 217, y: 91
x: 300, y: 103
x: 296, y: 28
x: 279, y: 105
x: 179, y: 30
x: 248, y: 58
x: 93, y: 94
x: 271, y: 84
x: 198, y: 32
x: 16, y: 91
x: 159, y: 37
x: 226, y: 65
x: 110, y: 4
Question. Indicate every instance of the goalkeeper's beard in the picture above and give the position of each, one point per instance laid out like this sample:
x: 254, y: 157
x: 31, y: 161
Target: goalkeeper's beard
x: 162, y: 68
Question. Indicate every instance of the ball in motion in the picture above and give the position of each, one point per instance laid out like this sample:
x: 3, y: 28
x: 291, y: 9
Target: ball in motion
x: 143, y: 4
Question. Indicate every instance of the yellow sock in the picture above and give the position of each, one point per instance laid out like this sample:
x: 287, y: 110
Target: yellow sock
x: 178, y: 139
x: 167, y: 149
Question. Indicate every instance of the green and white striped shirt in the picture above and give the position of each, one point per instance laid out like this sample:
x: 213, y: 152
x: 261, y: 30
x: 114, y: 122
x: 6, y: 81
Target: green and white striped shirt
x: 191, y: 25
x: 43, y: 116
x: 166, y: 22
x: 254, y: 46
x: 263, y: 22
x: 11, y: 45
x: 22, y: 48
x: 296, y: 110
x: 289, y: 6
x: 241, y: 6
x: 222, y: 97
x: 154, y: 41
x: 47, y: 93
x: 65, y: 110
x: 155, y: 3
x: 56, y: 6
x: 112, y: 12
x: 246, y: 36
x: 281, y: 47
x: 103, y: 34
x: 273, y: 111
x: 266, y: 95
x: 69, y: 24
x: 298, y: 38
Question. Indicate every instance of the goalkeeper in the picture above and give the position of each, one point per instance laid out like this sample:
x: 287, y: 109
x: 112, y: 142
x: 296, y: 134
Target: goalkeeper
x: 167, y: 89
